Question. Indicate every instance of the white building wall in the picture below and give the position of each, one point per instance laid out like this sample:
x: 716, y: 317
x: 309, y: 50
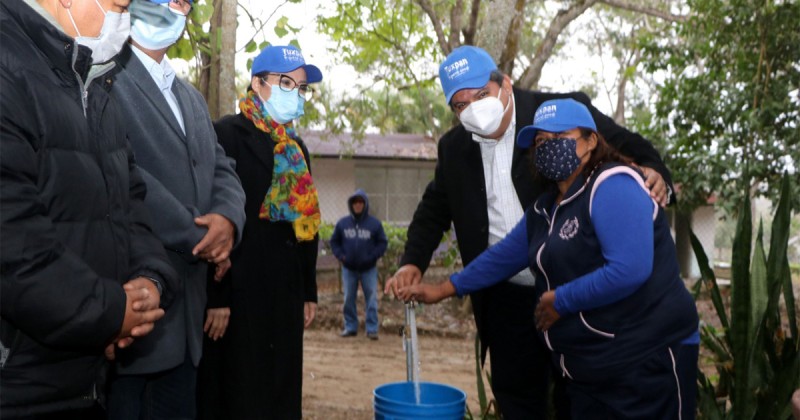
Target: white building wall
x: 704, y: 222
x: 335, y: 182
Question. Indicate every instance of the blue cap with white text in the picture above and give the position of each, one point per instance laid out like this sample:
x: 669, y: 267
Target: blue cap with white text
x: 283, y: 59
x: 467, y: 67
x: 555, y: 116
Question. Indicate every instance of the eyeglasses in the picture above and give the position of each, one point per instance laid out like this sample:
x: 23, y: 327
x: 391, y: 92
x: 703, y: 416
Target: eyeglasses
x: 180, y: 7
x: 287, y: 84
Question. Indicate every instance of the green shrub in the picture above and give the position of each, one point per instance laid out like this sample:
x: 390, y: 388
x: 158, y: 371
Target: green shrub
x: 756, y: 359
x: 396, y: 236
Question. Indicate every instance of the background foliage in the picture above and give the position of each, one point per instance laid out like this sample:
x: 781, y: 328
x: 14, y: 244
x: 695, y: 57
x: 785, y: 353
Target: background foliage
x: 729, y: 98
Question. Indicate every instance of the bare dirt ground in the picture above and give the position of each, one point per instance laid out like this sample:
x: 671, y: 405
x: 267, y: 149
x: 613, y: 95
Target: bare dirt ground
x: 339, y: 374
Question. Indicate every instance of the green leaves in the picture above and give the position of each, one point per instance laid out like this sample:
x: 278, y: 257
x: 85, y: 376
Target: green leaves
x: 730, y: 97
x: 282, y: 27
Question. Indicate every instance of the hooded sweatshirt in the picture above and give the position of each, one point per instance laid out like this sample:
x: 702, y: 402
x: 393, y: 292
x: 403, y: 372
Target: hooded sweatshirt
x: 358, y: 239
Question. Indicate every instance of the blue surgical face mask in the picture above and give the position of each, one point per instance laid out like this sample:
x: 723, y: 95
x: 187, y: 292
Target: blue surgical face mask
x: 300, y: 108
x: 284, y: 106
x: 557, y: 159
x: 155, y: 26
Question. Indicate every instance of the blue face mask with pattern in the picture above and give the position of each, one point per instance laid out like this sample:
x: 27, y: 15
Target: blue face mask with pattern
x: 556, y: 159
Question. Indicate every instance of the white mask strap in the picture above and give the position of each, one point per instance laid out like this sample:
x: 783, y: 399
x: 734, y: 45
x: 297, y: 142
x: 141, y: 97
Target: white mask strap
x: 71, y: 19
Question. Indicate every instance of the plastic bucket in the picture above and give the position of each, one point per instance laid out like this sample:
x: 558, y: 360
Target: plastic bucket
x: 396, y: 401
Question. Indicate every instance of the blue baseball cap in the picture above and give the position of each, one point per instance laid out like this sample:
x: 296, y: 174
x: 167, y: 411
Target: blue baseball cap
x: 467, y: 67
x: 555, y: 116
x: 283, y: 59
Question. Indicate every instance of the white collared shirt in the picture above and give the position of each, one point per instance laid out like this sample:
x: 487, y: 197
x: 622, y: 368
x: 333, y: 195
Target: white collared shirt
x: 163, y: 74
x: 504, y: 208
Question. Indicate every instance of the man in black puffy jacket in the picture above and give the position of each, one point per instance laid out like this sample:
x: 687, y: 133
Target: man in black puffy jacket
x: 80, y: 268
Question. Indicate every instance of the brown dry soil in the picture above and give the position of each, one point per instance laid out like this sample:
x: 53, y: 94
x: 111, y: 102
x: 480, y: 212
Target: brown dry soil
x: 339, y: 374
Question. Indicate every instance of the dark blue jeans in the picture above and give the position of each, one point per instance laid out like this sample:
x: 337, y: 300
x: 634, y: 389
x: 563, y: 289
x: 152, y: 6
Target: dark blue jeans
x: 369, y: 284
x: 163, y: 395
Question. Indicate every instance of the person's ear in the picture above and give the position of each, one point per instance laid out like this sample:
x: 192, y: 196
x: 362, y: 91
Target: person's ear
x: 261, y: 87
x: 592, y: 141
x: 508, y: 84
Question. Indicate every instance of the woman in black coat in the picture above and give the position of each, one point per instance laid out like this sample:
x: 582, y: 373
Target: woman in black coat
x: 273, y: 277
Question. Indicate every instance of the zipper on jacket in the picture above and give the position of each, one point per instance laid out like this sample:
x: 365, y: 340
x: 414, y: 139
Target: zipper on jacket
x: 84, y: 91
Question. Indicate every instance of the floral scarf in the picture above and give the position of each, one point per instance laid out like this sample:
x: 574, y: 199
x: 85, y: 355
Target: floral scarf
x: 292, y: 196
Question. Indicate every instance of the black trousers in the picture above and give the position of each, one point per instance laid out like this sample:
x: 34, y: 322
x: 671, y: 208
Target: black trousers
x: 520, y: 362
x: 651, y: 389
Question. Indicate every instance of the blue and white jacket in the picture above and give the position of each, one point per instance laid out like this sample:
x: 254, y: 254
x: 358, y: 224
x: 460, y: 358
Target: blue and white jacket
x: 358, y: 240
x: 607, y: 251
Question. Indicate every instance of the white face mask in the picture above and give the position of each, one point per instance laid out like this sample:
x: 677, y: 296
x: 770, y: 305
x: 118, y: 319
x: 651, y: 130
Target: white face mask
x: 484, y: 117
x: 113, y: 34
x: 155, y: 26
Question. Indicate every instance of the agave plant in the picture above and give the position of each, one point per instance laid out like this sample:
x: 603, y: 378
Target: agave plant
x: 757, y: 360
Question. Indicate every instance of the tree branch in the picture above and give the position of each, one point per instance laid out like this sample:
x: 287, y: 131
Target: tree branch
x: 530, y: 77
x: 506, y: 62
x: 650, y: 11
x: 437, y: 25
x: 455, y: 24
x: 421, y: 82
x: 261, y: 22
x: 469, y: 32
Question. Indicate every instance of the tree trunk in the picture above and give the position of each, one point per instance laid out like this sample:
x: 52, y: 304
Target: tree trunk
x: 221, y: 71
x: 506, y: 61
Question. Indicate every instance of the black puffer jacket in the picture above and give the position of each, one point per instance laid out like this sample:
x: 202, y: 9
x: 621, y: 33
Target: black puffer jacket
x: 72, y: 220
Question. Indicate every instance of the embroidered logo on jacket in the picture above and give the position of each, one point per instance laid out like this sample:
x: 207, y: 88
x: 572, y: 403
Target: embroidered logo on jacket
x: 569, y: 229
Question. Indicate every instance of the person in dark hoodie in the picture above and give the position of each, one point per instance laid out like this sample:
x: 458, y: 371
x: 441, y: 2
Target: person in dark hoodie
x: 358, y: 241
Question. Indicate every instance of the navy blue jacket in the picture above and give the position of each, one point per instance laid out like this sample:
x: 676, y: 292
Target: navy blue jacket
x: 600, y: 342
x: 358, y: 240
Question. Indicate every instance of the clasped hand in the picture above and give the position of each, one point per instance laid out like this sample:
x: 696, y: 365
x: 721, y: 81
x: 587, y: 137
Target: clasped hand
x: 215, y: 247
x: 142, y: 310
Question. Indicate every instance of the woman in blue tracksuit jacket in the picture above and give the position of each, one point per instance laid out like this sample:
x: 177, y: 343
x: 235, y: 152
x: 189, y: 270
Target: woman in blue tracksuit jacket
x: 613, y: 309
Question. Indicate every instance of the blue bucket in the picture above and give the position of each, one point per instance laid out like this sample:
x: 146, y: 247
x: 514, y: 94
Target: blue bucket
x: 396, y: 401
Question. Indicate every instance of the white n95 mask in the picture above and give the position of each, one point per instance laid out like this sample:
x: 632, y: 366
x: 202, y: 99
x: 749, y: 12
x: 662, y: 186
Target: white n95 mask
x: 483, y: 117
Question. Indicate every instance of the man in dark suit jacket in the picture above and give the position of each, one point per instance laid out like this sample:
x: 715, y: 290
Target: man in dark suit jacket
x: 197, y: 204
x: 480, y: 184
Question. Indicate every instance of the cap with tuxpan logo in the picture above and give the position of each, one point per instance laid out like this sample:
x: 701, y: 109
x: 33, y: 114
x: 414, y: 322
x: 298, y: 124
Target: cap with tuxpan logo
x: 283, y: 59
x: 467, y: 67
x: 555, y: 116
